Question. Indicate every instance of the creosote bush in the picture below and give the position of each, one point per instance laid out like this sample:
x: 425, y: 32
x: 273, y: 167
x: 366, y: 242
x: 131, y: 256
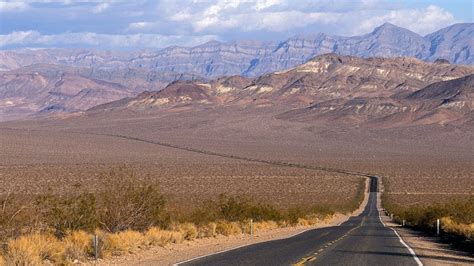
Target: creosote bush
x: 128, y: 205
x: 68, y: 213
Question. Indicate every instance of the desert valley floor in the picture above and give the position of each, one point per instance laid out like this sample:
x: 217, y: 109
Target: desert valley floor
x: 418, y: 164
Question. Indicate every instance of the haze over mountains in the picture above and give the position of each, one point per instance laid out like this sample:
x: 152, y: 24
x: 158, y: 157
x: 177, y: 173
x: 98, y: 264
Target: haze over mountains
x: 254, y: 58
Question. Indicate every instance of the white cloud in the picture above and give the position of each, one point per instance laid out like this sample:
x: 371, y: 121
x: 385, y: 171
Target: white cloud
x: 422, y: 21
x: 181, y: 16
x: 12, y: 6
x: 90, y: 39
x: 270, y: 21
x: 160, y: 21
x: 100, y: 7
x: 139, y: 25
x: 262, y: 4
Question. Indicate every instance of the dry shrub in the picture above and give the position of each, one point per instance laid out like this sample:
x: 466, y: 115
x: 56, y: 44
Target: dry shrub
x: 17, y: 215
x: 208, y: 230
x: 68, y: 213
x: 158, y: 237
x: 78, y: 246
x: 189, y: 230
x: 34, y: 249
x: 228, y: 228
x: 121, y: 243
x: 449, y: 226
x: 234, y: 209
x: 128, y: 203
x: 2, y: 261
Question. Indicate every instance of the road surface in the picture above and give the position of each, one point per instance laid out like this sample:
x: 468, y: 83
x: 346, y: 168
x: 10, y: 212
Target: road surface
x: 362, y: 240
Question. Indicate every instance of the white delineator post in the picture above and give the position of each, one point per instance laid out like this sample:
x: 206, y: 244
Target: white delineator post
x: 251, y: 228
x: 437, y: 227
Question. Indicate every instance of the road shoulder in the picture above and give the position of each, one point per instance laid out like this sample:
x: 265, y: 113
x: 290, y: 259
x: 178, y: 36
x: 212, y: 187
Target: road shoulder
x: 427, y: 248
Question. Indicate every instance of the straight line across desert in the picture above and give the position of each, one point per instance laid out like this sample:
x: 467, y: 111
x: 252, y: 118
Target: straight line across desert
x: 237, y: 132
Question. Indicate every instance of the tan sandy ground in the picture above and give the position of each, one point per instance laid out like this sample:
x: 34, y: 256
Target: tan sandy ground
x: 190, y: 249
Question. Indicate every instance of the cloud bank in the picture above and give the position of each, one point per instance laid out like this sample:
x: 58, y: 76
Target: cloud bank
x: 147, y: 23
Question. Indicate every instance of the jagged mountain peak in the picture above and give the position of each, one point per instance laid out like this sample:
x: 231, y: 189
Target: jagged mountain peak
x: 388, y: 27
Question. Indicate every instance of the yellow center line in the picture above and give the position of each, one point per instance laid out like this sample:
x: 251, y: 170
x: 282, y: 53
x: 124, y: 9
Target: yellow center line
x: 314, y: 255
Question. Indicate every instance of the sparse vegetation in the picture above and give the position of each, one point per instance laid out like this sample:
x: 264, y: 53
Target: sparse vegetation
x: 457, y: 217
x: 128, y: 215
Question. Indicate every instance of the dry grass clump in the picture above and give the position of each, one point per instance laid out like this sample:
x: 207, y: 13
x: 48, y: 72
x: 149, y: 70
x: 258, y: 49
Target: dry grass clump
x: 189, y: 230
x: 262, y: 226
x: 77, y: 245
x: 158, y: 237
x: 121, y: 243
x: 207, y: 230
x: 34, y: 249
x: 449, y: 226
x: 228, y: 228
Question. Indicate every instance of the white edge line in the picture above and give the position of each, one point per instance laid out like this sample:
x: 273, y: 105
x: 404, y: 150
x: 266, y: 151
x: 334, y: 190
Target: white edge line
x: 412, y: 252
x: 207, y: 255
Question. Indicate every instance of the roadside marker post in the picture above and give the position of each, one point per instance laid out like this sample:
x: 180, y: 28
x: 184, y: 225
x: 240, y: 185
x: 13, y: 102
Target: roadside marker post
x: 403, y: 223
x: 437, y: 227
x: 251, y: 228
x: 95, y: 243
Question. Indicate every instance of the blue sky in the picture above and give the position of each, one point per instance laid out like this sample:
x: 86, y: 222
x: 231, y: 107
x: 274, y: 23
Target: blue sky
x: 137, y: 24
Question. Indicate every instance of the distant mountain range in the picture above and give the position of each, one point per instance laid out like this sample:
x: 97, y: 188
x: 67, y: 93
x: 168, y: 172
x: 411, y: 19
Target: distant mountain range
x: 59, y: 81
x: 380, y: 91
x: 330, y: 87
x: 254, y: 58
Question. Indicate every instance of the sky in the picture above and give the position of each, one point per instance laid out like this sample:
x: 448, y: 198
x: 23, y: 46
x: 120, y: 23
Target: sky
x: 143, y: 24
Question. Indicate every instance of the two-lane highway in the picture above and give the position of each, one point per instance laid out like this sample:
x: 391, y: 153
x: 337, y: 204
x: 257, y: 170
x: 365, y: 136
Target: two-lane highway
x: 362, y: 240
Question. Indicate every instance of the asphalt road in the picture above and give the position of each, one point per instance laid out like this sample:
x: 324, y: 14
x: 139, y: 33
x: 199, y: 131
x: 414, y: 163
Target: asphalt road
x: 362, y: 240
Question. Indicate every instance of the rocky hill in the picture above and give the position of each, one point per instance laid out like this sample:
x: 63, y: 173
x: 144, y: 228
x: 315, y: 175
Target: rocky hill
x: 398, y: 91
x: 45, y: 88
